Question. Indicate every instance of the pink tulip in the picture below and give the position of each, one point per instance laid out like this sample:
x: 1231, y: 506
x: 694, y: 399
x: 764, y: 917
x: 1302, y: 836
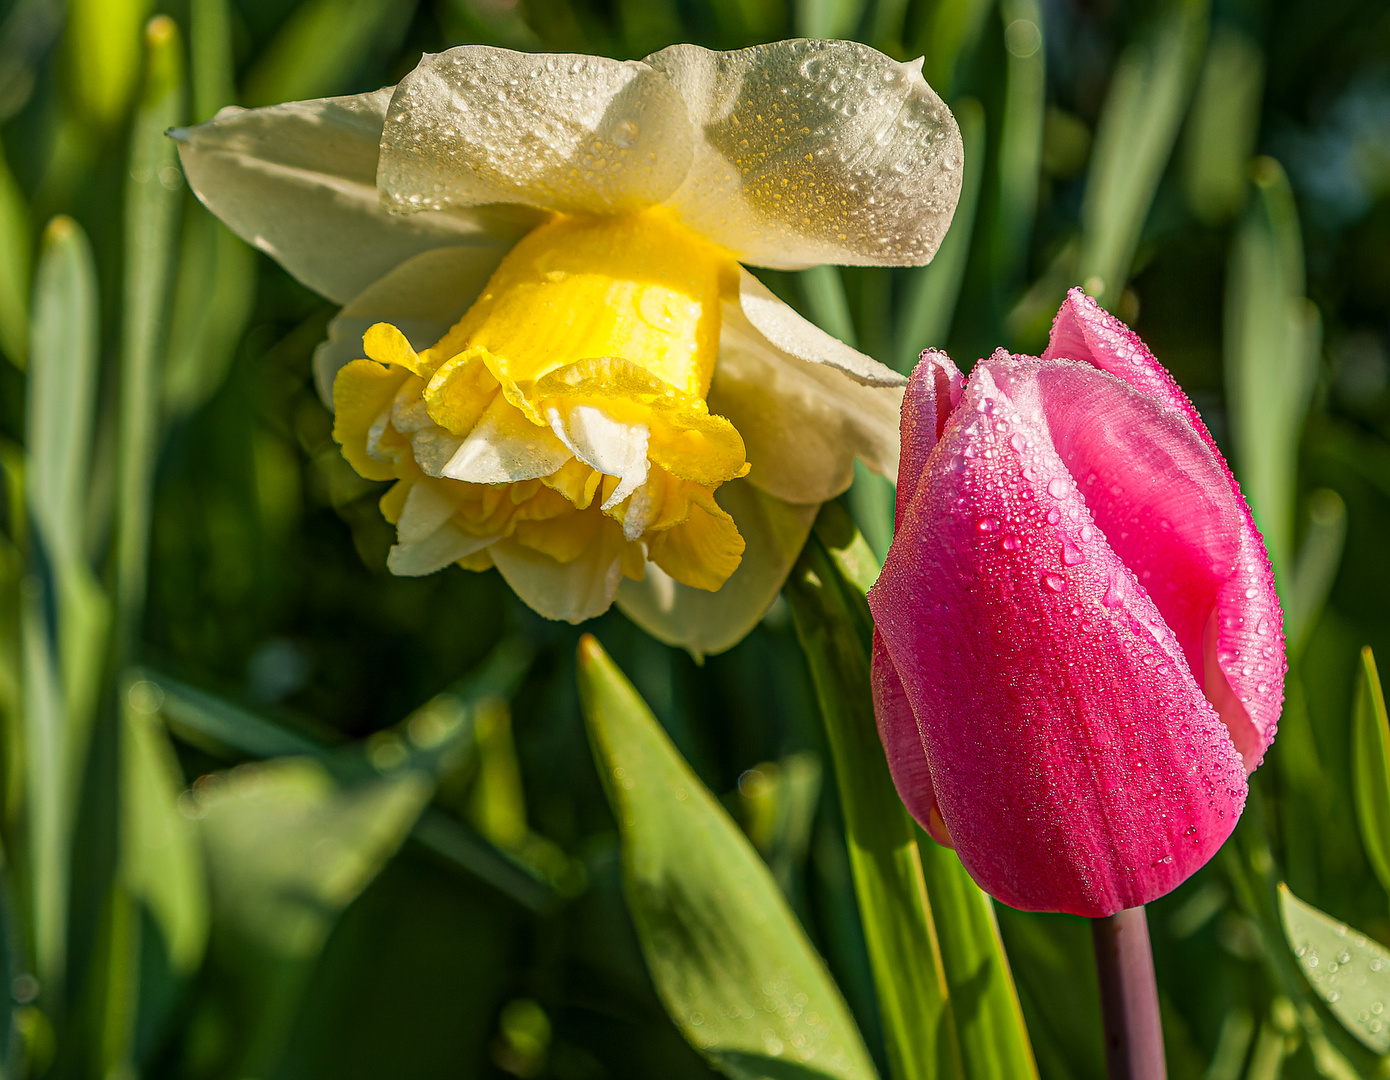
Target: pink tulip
x: 1079, y: 651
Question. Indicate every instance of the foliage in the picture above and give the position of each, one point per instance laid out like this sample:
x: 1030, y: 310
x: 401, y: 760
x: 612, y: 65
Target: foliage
x: 428, y: 879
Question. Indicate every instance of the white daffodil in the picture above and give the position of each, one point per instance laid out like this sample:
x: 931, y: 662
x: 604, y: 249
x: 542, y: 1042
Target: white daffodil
x: 567, y: 372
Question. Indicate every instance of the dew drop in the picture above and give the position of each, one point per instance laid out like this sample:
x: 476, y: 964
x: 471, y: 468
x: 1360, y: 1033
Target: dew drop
x: 1071, y: 554
x: 1053, y: 517
x: 1057, y: 488
x: 1115, y: 590
x: 987, y: 524
x: 1011, y: 543
x: 1055, y: 582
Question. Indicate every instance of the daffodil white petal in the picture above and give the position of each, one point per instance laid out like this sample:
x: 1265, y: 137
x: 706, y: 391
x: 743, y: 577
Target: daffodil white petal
x: 422, y: 297
x: 425, y: 510
x: 788, y: 332
x: 605, y: 444
x: 580, y: 134
x: 815, y: 152
x: 298, y: 181
x: 572, y: 591
x: 445, y: 545
x: 803, y: 423
x: 492, y: 454
x: 710, y: 622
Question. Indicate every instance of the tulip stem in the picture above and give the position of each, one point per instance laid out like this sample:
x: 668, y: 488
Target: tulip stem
x: 1128, y: 997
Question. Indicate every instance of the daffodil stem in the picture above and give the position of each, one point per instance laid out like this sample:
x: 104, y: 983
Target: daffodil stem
x: 1128, y: 997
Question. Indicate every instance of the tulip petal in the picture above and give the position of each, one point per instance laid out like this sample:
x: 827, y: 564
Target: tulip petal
x: 902, y: 742
x: 1074, y: 758
x: 578, y: 134
x: 814, y: 152
x: 422, y: 297
x: 704, y: 622
x: 803, y: 421
x: 298, y: 181
x: 932, y: 392
x: 1243, y: 649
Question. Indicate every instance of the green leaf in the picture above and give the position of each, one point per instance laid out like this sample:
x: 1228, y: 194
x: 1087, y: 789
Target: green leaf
x: 1350, y: 972
x: 15, y: 257
x: 104, y: 47
x: 321, y: 47
x: 929, y: 302
x: 827, y: 18
x: 834, y: 629
x: 827, y: 303
x: 729, y: 959
x: 1223, y: 126
x: 1271, y: 357
x: 161, y: 857
x: 64, y: 615
x: 154, y: 193
x: 1134, y: 139
x: 1020, y: 139
x: 1319, y: 558
x: 1370, y: 767
x: 923, y: 915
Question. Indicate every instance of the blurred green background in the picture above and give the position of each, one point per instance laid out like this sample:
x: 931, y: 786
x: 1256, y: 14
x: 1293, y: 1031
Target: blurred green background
x: 428, y: 885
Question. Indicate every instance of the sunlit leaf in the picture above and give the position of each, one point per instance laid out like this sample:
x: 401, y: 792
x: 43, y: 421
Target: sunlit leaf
x: 1319, y: 558
x: 1020, y: 139
x: 15, y: 258
x: 1223, y: 126
x: 104, y: 41
x: 1348, y: 970
x: 939, y: 965
x: 1370, y: 766
x: 729, y: 959
x: 154, y: 192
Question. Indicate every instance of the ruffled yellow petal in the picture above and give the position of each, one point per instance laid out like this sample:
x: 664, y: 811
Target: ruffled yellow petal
x: 702, y: 551
x: 362, y: 397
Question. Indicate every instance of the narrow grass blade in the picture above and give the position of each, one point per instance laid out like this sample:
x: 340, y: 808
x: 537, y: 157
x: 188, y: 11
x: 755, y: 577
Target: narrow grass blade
x: 1020, y: 140
x: 990, y: 1031
x: 211, y: 85
x: 1138, y: 125
x: 63, y: 615
x: 153, y: 196
x: 15, y: 258
x: 729, y: 959
x: 827, y: 18
x: 835, y: 635
x: 931, y: 293
x: 1271, y: 354
x: 1370, y: 767
x: 322, y: 45
x: 1349, y: 971
x: 948, y: 34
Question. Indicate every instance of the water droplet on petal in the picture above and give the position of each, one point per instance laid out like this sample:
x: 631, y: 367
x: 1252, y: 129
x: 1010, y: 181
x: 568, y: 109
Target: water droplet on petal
x: 1071, y: 554
x: 1055, y: 582
x: 1057, y: 488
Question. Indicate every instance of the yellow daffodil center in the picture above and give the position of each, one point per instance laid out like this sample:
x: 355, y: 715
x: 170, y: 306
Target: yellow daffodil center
x: 563, y: 419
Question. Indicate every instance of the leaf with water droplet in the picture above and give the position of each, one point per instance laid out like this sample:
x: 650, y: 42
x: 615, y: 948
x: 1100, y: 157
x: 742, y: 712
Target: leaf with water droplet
x: 1356, y: 988
x: 1370, y: 766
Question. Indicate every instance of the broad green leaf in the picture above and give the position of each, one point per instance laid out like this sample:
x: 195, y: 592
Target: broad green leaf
x: 947, y: 36
x: 915, y: 898
x: 729, y: 959
x: 15, y: 258
x: 827, y: 18
x: 1223, y: 126
x: 154, y: 193
x: 1370, y: 766
x: 1271, y: 357
x: 1134, y: 138
x: 161, y: 857
x: 1348, y: 970
x: 62, y: 662
x: 321, y: 46
x: 929, y: 301
x: 210, y: 57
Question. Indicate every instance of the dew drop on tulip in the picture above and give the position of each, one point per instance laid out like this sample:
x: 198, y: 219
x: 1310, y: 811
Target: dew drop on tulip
x: 1055, y: 582
x: 987, y: 524
x: 1071, y: 554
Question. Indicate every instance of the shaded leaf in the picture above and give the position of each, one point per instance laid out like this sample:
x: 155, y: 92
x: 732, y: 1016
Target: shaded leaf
x: 729, y: 959
x: 1370, y: 766
x: 1348, y: 970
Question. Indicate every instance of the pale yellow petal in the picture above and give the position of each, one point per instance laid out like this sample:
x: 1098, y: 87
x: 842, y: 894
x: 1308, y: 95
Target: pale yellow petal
x: 803, y: 423
x: 710, y: 622
x: 580, y: 134
x: 815, y: 152
x: 572, y: 591
x: 298, y: 181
